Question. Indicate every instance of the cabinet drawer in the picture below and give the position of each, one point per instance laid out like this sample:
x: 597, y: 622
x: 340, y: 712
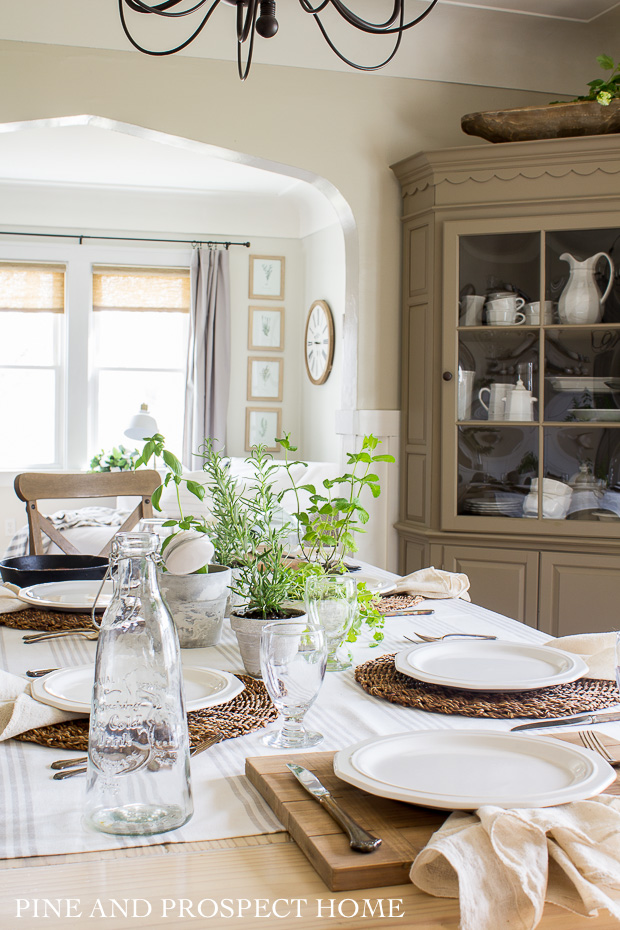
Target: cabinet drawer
x: 504, y: 580
x: 578, y: 593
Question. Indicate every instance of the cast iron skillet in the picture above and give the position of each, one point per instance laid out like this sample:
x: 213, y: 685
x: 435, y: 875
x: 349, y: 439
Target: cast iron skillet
x: 24, y: 570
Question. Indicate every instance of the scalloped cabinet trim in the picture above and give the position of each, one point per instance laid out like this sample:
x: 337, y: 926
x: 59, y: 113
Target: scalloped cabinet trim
x: 468, y: 174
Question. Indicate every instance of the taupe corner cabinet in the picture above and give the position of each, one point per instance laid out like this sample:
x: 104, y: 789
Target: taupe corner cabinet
x: 511, y: 425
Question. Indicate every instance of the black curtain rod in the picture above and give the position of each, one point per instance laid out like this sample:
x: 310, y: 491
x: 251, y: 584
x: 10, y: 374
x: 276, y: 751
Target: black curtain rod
x: 193, y: 242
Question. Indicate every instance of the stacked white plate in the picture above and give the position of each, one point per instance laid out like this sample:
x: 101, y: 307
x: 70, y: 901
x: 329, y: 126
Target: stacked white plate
x: 466, y: 769
x: 71, y: 688
x: 490, y: 665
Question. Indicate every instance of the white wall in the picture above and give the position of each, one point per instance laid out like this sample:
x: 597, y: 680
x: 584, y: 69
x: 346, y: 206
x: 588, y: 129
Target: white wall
x: 346, y: 128
x: 325, y: 280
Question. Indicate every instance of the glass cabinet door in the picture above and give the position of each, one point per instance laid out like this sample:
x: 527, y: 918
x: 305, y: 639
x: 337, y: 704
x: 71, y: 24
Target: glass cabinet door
x: 536, y: 360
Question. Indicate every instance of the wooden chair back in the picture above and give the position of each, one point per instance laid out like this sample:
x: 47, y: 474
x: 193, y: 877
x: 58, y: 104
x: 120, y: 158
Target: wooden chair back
x: 33, y: 487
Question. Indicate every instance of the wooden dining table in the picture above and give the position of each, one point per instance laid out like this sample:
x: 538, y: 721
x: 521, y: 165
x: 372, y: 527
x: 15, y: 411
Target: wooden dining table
x: 246, y: 881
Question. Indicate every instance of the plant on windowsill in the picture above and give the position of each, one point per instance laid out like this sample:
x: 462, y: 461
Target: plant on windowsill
x: 118, y: 459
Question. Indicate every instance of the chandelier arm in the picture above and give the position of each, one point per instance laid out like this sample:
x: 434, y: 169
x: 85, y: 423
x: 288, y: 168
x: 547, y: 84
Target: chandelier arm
x: 363, y: 24
x: 352, y: 64
x: 244, y: 26
x: 160, y: 9
x: 171, y: 51
x: 241, y: 70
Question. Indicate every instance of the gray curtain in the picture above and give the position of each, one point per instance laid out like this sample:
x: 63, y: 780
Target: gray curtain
x: 208, y: 356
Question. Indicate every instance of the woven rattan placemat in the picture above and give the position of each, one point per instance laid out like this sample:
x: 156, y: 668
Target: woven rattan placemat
x: 380, y: 678
x: 389, y: 602
x: 33, y: 618
x: 250, y: 710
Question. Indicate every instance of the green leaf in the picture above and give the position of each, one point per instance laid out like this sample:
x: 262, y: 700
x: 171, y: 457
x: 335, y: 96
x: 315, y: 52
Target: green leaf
x: 172, y: 462
x: 605, y: 62
x: 375, y: 490
x: 156, y: 497
x: 197, y: 489
x: 383, y: 458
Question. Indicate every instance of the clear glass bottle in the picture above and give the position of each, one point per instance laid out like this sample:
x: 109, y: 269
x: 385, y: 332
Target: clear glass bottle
x: 138, y: 779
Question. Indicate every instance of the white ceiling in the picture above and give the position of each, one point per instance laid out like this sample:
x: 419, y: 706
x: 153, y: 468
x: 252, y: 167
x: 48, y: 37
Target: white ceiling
x: 583, y: 11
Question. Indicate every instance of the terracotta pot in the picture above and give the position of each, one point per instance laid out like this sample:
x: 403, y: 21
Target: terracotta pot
x: 248, y: 631
x: 197, y: 604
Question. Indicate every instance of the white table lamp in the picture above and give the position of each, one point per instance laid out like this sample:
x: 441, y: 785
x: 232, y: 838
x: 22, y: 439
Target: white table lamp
x: 142, y: 424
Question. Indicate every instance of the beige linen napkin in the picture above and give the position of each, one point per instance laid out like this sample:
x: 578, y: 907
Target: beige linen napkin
x: 503, y: 865
x: 8, y: 602
x: 596, y: 649
x: 432, y: 583
x: 19, y: 711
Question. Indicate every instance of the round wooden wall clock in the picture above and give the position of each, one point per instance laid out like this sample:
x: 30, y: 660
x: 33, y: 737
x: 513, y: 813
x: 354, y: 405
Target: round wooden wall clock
x: 319, y: 342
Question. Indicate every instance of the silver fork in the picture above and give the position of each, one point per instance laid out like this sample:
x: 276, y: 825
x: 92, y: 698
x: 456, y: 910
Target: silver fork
x: 87, y: 633
x: 437, y: 639
x: 591, y: 741
x: 66, y: 767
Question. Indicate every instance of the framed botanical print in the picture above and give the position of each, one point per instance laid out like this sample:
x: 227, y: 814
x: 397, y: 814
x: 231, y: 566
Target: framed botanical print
x: 265, y: 378
x: 266, y: 329
x: 267, y: 277
x: 262, y: 427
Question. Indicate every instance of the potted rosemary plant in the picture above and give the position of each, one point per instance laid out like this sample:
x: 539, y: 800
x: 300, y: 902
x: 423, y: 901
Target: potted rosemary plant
x: 265, y: 583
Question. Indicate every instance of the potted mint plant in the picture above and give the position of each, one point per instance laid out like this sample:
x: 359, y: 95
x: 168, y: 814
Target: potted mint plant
x: 327, y: 528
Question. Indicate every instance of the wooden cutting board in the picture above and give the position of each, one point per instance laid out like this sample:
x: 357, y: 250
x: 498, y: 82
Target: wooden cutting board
x: 404, y: 828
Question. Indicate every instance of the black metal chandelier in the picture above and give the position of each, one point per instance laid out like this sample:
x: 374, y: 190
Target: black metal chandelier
x: 259, y: 16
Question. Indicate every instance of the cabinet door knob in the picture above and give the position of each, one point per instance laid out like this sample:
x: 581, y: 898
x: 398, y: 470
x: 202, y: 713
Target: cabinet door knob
x: 447, y: 376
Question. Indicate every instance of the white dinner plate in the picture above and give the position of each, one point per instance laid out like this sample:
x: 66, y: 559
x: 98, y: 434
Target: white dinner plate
x: 67, y: 595
x: 601, y: 415
x: 71, y: 688
x: 576, y: 384
x: 489, y: 666
x: 465, y: 769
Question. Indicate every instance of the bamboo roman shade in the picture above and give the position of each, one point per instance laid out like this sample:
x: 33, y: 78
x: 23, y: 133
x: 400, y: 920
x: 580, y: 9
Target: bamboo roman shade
x: 153, y: 289
x: 30, y: 287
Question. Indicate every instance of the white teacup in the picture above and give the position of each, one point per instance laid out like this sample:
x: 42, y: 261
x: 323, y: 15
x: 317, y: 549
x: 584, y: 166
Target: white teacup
x: 504, y: 311
x: 471, y: 310
x: 532, y: 313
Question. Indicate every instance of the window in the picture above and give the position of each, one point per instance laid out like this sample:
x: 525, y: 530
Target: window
x: 32, y: 303
x: 139, y: 349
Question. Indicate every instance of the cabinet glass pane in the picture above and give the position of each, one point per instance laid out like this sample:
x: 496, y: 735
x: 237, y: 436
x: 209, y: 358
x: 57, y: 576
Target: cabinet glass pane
x: 498, y: 358
x: 580, y: 245
x: 582, y: 374
x: 489, y: 263
x: 582, y: 473
x: 495, y: 467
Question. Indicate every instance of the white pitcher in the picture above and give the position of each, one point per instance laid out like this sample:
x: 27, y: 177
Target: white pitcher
x: 581, y: 300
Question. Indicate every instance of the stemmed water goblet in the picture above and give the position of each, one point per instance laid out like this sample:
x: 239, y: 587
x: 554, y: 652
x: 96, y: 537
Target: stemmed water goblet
x: 292, y: 659
x: 331, y: 602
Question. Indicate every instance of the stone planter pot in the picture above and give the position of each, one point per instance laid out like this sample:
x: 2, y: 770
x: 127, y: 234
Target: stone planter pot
x: 554, y: 121
x: 248, y: 631
x: 197, y: 604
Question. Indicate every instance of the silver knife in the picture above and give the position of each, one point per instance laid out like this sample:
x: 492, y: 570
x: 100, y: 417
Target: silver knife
x: 359, y: 839
x: 570, y: 721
